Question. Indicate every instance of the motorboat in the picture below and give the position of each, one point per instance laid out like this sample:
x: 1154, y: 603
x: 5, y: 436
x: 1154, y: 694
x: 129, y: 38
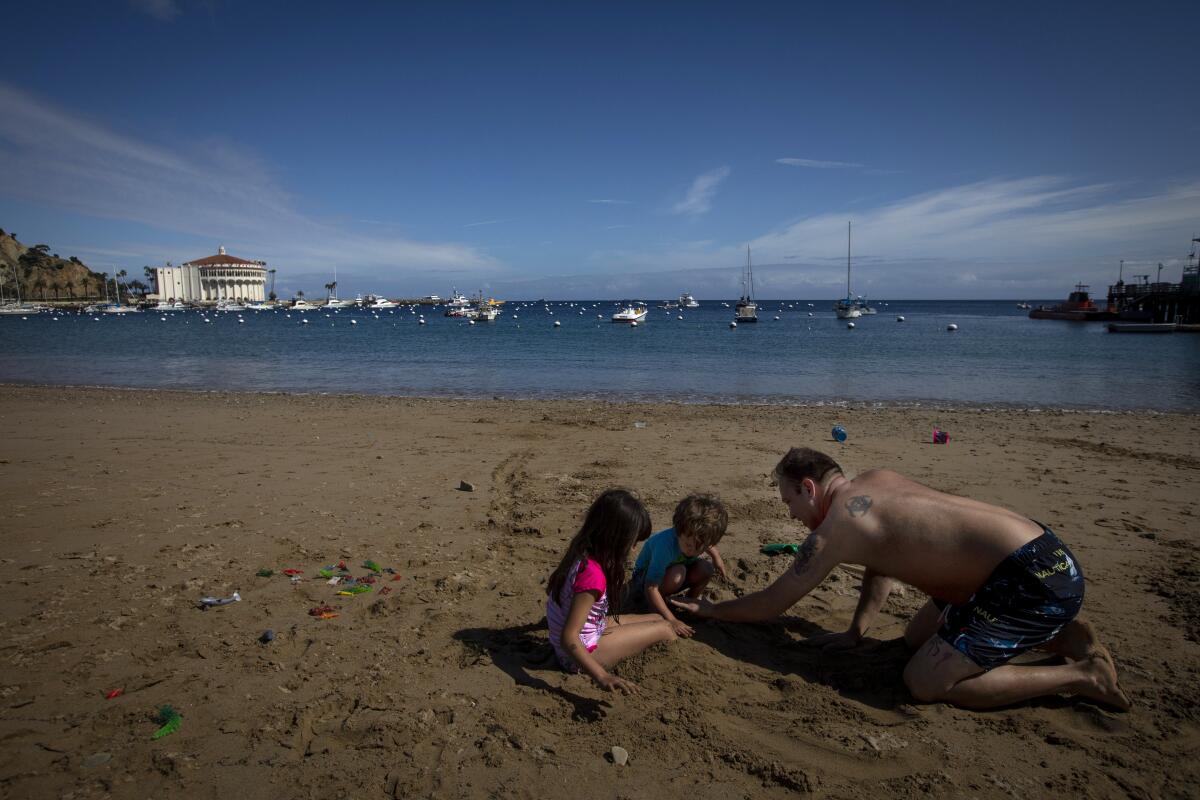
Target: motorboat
x: 457, y: 300
x: 16, y: 308
x: 746, y: 309
x: 164, y: 307
x: 230, y: 306
x: 376, y: 302
x: 632, y: 311
x: 117, y: 308
x: 260, y: 306
x: 301, y: 304
x: 687, y: 301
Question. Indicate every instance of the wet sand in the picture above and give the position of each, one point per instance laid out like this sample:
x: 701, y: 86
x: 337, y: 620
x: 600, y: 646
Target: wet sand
x: 123, y: 508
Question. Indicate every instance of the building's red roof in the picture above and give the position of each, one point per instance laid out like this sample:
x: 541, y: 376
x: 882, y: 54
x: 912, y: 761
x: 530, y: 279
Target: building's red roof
x: 218, y: 260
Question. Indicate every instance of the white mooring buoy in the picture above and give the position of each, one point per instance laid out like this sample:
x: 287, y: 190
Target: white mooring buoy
x: 951, y: 327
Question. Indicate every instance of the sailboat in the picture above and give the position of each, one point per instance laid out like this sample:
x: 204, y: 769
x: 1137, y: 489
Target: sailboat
x: 847, y: 308
x: 332, y: 301
x: 746, y: 309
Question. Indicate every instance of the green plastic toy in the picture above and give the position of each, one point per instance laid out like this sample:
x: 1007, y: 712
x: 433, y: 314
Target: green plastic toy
x: 776, y: 549
x: 371, y: 565
x: 170, y: 719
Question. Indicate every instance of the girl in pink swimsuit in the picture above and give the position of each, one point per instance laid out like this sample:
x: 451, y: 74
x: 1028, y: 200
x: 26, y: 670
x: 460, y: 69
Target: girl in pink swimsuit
x: 584, y: 636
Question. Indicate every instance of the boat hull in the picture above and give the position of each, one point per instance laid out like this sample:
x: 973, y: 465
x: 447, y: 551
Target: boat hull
x: 1072, y: 316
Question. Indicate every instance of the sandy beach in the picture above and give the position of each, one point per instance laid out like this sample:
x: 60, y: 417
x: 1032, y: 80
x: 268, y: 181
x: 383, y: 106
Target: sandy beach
x: 123, y: 508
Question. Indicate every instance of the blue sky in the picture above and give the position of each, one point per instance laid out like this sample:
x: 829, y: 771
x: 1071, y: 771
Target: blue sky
x: 573, y: 150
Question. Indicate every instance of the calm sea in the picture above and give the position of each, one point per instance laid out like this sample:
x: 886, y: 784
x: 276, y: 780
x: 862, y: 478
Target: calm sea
x: 998, y: 356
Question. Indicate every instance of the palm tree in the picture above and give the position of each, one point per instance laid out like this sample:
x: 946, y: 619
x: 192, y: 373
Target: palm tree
x: 300, y: 294
x: 120, y: 275
x: 328, y: 291
x: 71, y: 288
x: 272, y: 284
x: 40, y: 283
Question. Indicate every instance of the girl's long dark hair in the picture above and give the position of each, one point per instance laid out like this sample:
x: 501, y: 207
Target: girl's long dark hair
x: 616, y: 521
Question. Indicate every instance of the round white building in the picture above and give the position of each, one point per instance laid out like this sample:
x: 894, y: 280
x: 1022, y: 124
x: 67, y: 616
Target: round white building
x: 213, y: 279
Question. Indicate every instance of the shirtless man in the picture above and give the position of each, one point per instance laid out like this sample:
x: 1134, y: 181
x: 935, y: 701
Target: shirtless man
x: 1000, y: 584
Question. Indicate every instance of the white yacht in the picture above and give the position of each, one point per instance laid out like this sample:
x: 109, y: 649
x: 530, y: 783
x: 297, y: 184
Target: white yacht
x: 377, y: 302
x: 163, y: 307
x: 457, y: 300
x: 260, y: 306
x: 226, y: 305
x: 687, y: 301
x: 117, y: 308
x: 631, y: 312
x: 302, y: 305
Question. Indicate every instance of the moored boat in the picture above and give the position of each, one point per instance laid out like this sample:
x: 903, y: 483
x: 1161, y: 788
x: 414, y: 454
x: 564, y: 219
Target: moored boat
x: 746, y: 309
x: 631, y: 311
x: 1078, y: 308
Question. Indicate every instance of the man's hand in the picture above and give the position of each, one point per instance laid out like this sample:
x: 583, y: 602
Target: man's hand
x: 682, y: 628
x: 612, y: 683
x: 698, y: 606
x: 845, y: 640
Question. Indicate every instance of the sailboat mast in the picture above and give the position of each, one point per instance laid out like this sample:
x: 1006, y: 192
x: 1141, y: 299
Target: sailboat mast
x: 847, y: 258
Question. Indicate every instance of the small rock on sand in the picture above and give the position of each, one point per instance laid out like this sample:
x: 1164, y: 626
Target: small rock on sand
x: 619, y: 755
x: 463, y: 486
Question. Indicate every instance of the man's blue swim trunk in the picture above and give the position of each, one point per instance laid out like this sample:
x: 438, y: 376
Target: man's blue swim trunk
x: 1025, y: 602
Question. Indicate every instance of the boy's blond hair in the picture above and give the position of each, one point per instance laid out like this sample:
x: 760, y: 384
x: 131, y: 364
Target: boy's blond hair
x: 703, y: 516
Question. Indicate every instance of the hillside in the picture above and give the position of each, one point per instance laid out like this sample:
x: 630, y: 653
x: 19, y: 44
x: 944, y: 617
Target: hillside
x: 44, y: 275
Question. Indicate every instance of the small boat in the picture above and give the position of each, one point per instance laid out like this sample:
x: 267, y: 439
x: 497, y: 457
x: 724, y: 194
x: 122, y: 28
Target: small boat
x: 1142, y: 327
x: 687, y: 301
x: 225, y: 305
x: 116, y: 308
x: 302, y: 305
x: 1078, y: 308
x: 165, y: 307
x: 1024, y: 305
x: 746, y: 309
x: 16, y: 308
x: 632, y: 311
x: 456, y: 300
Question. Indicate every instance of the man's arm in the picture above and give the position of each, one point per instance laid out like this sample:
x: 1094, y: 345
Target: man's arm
x: 814, y: 561
x: 872, y: 595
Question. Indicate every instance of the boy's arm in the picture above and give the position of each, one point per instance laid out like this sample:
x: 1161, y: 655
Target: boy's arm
x: 655, y: 599
x: 718, y: 562
x: 580, y: 606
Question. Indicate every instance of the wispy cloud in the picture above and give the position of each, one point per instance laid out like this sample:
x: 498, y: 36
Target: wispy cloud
x: 990, y: 238
x: 213, y: 190
x: 699, y: 197
x: 163, y: 10
x: 611, y: 202
x: 813, y: 164
x: 484, y: 222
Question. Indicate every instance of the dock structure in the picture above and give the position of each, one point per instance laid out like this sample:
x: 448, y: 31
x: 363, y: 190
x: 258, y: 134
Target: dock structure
x: 1158, y: 301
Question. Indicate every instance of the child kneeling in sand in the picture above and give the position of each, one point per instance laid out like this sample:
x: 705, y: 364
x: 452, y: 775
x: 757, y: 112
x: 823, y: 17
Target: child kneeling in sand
x: 670, y: 561
x: 584, y: 637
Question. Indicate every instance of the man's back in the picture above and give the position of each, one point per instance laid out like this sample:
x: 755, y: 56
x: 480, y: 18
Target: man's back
x: 943, y: 544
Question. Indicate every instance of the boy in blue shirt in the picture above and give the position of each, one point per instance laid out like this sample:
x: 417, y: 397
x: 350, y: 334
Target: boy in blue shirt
x: 670, y: 560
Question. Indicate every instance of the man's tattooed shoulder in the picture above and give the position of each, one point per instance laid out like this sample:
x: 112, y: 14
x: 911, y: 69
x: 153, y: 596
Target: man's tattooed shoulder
x: 859, y: 505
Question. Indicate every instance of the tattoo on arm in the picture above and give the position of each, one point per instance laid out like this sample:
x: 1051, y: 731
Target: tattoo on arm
x: 859, y: 505
x: 803, y: 556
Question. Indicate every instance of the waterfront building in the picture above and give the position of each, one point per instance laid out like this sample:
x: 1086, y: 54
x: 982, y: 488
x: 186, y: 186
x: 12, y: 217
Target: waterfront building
x: 212, y: 279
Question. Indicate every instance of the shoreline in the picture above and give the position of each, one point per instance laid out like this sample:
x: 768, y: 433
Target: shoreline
x: 125, y: 506
x: 781, y: 403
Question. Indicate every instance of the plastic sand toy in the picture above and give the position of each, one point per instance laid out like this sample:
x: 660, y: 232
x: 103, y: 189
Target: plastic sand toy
x: 209, y: 602
x: 169, y: 719
x: 776, y: 549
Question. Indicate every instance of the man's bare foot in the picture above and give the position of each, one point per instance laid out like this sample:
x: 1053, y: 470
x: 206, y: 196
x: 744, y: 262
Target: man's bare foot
x: 1103, y: 685
x: 1076, y: 641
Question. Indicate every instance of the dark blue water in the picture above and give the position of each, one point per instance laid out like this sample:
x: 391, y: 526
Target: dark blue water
x: 998, y: 356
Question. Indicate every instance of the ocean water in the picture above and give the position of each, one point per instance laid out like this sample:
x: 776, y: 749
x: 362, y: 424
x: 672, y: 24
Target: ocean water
x: 997, y: 357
